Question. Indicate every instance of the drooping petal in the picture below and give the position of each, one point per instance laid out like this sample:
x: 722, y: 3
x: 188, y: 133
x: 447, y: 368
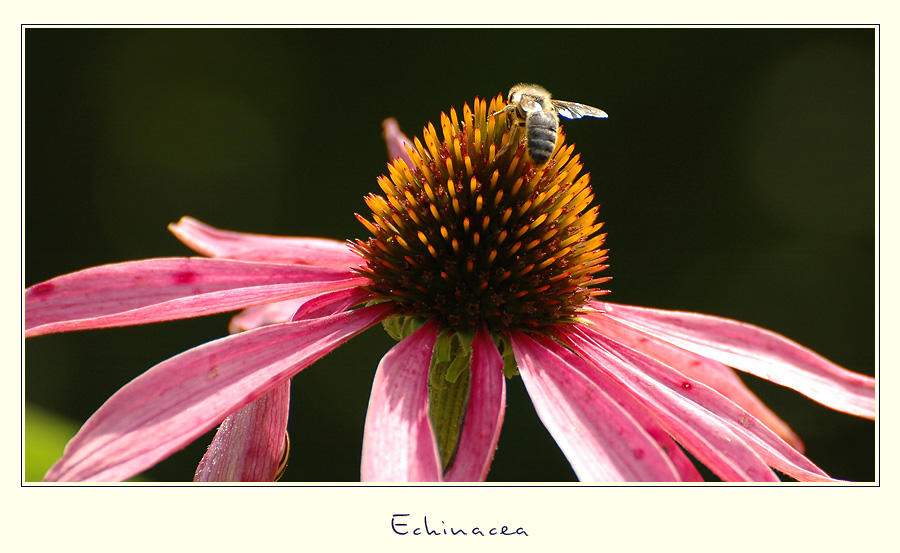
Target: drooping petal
x: 262, y: 315
x: 706, y: 436
x: 484, y: 413
x: 396, y: 141
x: 647, y: 420
x: 249, y: 445
x: 176, y: 401
x: 154, y: 290
x: 399, y: 444
x: 712, y: 373
x: 330, y: 303
x: 309, y: 307
x: 759, y: 437
x: 214, y: 242
x: 601, y: 440
x: 687, y: 472
x: 757, y: 351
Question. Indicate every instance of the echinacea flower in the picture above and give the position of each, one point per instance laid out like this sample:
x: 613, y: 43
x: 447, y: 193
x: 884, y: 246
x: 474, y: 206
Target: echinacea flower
x: 484, y: 267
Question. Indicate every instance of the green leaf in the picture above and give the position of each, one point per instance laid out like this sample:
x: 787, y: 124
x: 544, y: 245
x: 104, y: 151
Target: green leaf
x: 46, y: 434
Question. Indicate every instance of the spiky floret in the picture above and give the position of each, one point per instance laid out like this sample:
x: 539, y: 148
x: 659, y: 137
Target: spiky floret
x: 469, y: 235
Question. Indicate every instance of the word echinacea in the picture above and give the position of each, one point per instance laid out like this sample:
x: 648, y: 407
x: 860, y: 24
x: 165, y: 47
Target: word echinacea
x: 485, y: 267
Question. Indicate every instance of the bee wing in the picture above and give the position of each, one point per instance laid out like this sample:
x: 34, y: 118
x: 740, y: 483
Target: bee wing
x: 574, y: 110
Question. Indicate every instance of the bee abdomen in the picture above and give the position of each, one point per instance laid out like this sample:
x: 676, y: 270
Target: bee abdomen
x: 541, y: 142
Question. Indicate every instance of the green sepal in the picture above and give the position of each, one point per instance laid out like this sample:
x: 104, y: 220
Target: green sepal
x: 461, y: 353
x: 443, y: 348
x: 448, y: 390
x: 401, y: 326
x: 510, y: 369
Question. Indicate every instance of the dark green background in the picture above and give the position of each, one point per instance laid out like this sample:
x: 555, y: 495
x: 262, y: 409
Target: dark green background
x: 735, y: 173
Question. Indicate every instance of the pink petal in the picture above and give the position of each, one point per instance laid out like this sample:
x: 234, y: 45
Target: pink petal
x: 213, y: 242
x: 687, y: 472
x: 310, y: 307
x: 164, y: 289
x: 249, y: 445
x: 599, y: 438
x: 757, y: 351
x: 484, y: 413
x: 176, y: 401
x: 262, y: 315
x: 705, y: 435
x: 759, y: 437
x: 396, y: 141
x: 709, y: 372
x: 399, y: 444
x: 330, y: 303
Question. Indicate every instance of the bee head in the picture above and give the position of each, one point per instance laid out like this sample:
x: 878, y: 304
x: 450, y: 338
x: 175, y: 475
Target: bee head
x: 524, y: 89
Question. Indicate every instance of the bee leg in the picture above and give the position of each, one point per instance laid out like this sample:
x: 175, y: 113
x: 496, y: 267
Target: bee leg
x: 507, y: 110
x: 514, y: 137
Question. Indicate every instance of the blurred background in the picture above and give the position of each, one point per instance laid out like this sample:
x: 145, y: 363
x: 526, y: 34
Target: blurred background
x: 735, y: 173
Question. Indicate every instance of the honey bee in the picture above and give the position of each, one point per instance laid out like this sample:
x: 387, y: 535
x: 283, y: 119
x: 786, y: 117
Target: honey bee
x: 529, y: 106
